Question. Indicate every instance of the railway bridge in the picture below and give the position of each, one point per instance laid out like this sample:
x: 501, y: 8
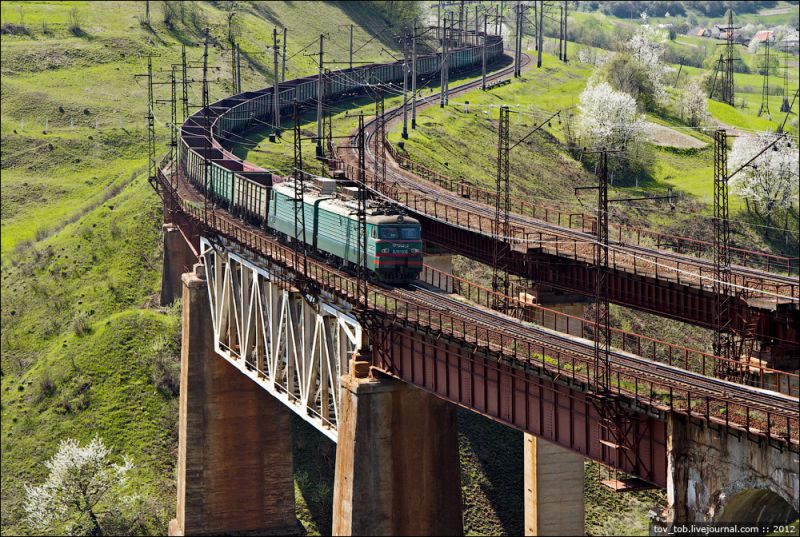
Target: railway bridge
x: 268, y: 331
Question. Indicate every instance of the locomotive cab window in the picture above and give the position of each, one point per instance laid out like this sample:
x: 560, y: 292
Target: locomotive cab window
x: 409, y: 233
x: 389, y: 233
x: 403, y: 233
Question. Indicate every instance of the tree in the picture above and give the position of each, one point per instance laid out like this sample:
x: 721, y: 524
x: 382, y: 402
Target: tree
x: 626, y: 74
x: 693, y: 103
x: 647, y: 47
x: 770, y: 182
x: 83, y: 489
x: 608, y: 118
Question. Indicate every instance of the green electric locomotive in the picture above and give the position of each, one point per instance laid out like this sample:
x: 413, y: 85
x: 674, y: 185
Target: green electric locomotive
x: 394, y: 243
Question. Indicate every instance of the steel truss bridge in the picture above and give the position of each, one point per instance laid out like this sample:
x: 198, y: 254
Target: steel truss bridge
x: 293, y: 325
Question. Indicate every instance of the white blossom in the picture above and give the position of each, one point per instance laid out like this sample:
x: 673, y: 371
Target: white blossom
x: 694, y: 104
x: 647, y: 47
x: 771, y: 180
x: 80, y: 478
x: 608, y: 118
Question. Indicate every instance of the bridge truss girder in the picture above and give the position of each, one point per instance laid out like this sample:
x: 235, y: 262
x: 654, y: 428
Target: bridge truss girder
x: 295, y: 349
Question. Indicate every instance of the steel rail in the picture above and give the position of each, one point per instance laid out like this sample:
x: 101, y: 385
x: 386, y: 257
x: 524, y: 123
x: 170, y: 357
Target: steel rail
x: 507, y: 337
x: 745, y: 274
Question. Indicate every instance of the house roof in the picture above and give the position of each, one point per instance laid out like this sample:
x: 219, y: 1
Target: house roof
x: 763, y: 36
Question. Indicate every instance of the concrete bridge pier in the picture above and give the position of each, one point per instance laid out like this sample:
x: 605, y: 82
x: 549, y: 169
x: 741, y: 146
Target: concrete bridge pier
x: 178, y: 259
x: 397, y: 466
x: 235, y: 443
x: 720, y: 477
x: 554, y: 489
x: 561, y: 302
x: 440, y: 260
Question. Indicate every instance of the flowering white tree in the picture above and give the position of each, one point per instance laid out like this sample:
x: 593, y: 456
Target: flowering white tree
x: 771, y: 180
x: 82, y: 487
x: 694, y: 104
x: 608, y: 118
x: 647, y: 47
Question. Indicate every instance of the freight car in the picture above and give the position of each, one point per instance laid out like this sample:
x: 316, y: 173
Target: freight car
x: 247, y: 191
x: 394, y: 244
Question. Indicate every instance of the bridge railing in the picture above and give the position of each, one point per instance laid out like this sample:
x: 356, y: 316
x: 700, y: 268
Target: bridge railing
x: 586, y: 223
x: 749, y: 370
x: 658, y: 265
x: 641, y: 388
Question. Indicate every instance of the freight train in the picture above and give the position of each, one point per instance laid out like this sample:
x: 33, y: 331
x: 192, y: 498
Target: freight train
x: 265, y: 199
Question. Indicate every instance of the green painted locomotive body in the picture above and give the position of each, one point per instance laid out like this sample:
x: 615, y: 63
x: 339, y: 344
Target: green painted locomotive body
x: 394, y: 244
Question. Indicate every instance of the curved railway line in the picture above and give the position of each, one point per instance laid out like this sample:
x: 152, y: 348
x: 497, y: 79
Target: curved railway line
x: 783, y: 288
x: 762, y: 412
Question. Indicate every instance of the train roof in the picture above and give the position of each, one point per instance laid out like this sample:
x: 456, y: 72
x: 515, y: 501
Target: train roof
x: 376, y: 213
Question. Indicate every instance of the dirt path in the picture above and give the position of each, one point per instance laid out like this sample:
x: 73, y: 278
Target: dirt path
x: 668, y: 137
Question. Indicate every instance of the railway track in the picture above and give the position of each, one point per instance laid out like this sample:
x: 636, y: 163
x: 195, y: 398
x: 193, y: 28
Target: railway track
x: 699, y: 384
x: 447, y: 314
x: 693, y: 270
x: 456, y: 311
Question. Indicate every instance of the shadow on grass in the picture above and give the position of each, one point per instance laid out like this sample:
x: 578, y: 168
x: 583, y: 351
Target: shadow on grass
x: 498, y: 451
x: 314, y: 461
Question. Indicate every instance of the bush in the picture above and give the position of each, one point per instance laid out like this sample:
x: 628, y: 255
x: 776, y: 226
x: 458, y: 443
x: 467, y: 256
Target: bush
x: 47, y: 387
x: 80, y: 324
x: 625, y: 74
x: 166, y: 368
x: 75, y: 22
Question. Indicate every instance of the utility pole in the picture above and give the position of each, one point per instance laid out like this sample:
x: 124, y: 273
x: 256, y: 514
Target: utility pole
x: 477, y: 29
x: 405, y: 88
x: 362, y: 290
x: 414, y: 77
x: 443, y: 66
x: 151, y: 128
x: 439, y: 20
x: 764, y: 108
x: 602, y: 340
x: 320, y: 97
x: 238, y: 68
x: 539, y: 33
x: 498, y: 20
x: 283, y: 57
x: 460, y: 23
x: 727, y: 77
x: 299, y: 184
x: 566, y: 9
x: 722, y: 261
x: 234, y: 82
x: 518, y: 41
x: 785, y: 101
x: 184, y: 83
x: 173, y: 139
x: 207, y: 130
x: 351, y: 47
x: 276, y: 90
x: 483, y: 55
x: 380, y: 135
x: 500, y: 282
x: 447, y: 64
x: 561, y: 32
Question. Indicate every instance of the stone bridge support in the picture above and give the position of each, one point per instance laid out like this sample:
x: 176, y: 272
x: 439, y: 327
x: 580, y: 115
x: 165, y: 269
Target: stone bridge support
x: 554, y: 492
x: 718, y: 477
x: 562, y: 302
x: 397, y: 467
x: 178, y: 259
x: 440, y: 260
x: 235, y: 444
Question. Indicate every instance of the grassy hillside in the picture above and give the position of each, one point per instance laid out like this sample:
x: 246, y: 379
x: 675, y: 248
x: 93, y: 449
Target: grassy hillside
x: 85, y: 350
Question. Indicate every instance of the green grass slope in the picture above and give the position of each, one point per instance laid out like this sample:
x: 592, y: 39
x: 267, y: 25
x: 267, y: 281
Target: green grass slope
x: 85, y: 349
